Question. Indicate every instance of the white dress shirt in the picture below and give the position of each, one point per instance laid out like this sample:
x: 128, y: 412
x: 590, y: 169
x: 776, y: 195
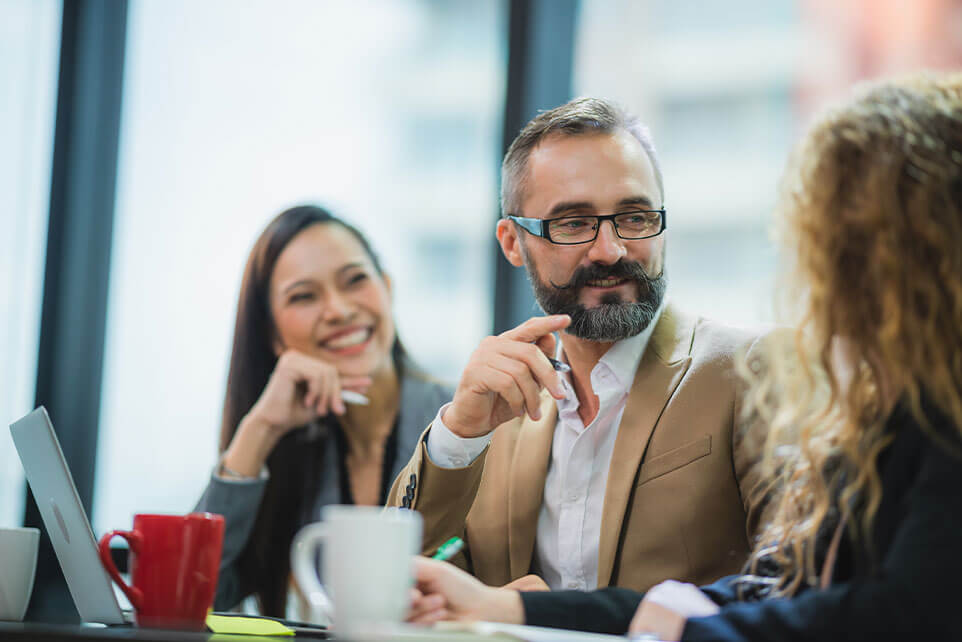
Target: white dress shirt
x: 569, y: 523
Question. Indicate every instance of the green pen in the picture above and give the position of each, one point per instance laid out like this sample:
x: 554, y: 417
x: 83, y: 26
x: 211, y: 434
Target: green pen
x: 449, y: 549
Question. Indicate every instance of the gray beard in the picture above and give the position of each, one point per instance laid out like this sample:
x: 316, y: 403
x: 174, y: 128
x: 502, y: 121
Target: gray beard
x: 614, y: 318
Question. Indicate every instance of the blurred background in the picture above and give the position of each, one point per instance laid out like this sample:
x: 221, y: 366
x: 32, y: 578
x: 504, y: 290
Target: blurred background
x: 145, y: 144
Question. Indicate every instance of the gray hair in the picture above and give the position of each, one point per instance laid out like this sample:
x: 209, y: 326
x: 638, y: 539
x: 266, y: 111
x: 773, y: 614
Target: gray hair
x: 575, y: 118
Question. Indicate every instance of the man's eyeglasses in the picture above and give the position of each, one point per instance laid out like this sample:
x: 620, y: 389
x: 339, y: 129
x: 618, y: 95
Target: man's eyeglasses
x: 572, y: 230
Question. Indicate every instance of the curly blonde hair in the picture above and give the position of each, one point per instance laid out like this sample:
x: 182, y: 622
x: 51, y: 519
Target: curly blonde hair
x: 870, y: 217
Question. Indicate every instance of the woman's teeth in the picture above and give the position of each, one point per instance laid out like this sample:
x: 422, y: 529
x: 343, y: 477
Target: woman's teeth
x: 347, y: 340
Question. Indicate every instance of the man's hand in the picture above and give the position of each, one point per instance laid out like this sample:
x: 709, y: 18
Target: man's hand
x: 504, y: 378
x: 445, y: 592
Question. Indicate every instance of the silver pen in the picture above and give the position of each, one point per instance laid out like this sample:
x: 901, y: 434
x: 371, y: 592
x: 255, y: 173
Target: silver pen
x: 559, y: 366
x: 355, y: 398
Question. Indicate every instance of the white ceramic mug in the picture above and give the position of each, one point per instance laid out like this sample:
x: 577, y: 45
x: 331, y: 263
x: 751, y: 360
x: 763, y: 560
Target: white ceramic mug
x: 18, y: 566
x: 366, y: 562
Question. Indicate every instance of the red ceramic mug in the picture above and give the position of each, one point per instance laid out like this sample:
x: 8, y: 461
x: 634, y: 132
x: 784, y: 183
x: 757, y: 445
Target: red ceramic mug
x: 174, y: 561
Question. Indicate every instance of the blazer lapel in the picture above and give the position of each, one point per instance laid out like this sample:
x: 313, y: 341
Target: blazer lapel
x: 662, y: 367
x: 529, y: 468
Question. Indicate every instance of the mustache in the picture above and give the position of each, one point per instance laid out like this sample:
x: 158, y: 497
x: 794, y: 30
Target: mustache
x: 630, y: 270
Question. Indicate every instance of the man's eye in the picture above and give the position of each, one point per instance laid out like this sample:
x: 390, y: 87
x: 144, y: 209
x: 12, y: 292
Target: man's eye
x: 357, y: 278
x: 573, y: 224
x: 301, y: 297
x: 638, y: 218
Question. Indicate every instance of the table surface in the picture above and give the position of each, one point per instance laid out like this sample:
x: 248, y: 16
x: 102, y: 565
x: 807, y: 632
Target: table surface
x: 481, y: 632
x: 37, y: 632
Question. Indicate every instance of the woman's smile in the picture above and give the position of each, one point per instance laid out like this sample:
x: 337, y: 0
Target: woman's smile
x: 349, y: 341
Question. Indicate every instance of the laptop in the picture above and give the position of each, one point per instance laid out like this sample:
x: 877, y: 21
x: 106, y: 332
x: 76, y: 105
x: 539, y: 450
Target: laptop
x: 65, y: 519
x: 69, y: 529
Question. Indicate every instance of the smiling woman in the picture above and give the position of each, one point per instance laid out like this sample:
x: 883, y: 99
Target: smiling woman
x: 314, y: 324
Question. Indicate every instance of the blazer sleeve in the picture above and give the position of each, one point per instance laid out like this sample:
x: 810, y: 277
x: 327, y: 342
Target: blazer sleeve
x: 443, y: 496
x: 238, y: 502
x: 607, y: 610
x: 913, y: 594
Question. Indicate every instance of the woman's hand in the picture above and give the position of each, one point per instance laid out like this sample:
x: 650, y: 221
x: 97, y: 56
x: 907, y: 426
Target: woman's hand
x: 666, y: 608
x: 300, y: 389
x: 447, y: 593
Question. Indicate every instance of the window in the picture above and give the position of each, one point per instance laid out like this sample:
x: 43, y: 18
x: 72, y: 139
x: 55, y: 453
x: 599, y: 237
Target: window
x: 29, y: 42
x: 726, y: 89
x: 722, y: 117
x: 389, y: 113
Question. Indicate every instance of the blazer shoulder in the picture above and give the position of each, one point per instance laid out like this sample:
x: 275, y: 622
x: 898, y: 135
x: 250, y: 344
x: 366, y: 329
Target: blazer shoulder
x: 715, y: 340
x: 681, y: 335
x: 422, y: 396
x: 419, y: 384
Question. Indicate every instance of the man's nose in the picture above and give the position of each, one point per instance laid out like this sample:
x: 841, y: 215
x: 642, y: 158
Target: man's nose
x: 608, y: 247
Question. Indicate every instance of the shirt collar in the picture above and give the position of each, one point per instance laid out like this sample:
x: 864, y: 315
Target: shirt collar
x: 621, y: 360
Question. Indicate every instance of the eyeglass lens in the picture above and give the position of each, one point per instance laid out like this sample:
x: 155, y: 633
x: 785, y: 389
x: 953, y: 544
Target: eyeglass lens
x: 629, y: 225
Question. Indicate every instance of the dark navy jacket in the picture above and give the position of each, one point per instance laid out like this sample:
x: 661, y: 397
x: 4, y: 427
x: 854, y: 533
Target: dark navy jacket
x: 907, y: 589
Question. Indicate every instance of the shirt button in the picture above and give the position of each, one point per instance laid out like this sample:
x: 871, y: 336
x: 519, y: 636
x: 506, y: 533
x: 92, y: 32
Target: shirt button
x: 572, y: 585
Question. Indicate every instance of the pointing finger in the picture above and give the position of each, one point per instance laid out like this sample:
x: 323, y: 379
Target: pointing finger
x: 536, y: 327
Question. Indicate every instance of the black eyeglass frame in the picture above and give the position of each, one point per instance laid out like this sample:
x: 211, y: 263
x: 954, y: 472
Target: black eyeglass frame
x: 539, y: 226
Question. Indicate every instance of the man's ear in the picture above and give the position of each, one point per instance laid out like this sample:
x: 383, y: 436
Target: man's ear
x: 510, y: 241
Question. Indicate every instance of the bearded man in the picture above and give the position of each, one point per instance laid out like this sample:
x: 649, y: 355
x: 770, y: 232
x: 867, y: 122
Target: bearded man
x: 611, y: 457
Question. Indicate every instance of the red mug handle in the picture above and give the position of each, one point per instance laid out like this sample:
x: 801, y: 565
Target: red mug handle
x: 134, y: 539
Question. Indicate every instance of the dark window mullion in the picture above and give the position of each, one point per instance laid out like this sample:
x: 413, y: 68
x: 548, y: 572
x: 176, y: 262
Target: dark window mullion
x: 80, y: 229
x: 541, y: 37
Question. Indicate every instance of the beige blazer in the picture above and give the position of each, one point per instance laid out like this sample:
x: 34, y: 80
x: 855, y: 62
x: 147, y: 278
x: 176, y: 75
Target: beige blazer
x: 676, y: 504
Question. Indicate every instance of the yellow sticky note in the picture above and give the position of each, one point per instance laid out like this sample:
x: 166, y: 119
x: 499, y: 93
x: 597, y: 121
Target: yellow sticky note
x: 244, y: 625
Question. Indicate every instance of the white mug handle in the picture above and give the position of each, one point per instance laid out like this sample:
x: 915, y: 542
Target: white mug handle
x: 303, y: 557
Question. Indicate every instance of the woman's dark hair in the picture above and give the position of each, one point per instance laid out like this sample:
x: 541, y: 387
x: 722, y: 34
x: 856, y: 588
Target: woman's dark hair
x: 264, y: 564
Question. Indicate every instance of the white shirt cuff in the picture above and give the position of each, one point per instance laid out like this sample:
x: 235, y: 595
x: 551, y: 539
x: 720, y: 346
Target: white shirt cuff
x: 225, y: 474
x: 447, y: 450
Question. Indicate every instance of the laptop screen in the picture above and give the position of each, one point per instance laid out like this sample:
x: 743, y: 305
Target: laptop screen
x: 64, y: 518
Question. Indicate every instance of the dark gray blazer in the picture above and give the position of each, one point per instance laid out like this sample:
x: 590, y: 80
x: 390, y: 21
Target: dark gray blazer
x: 238, y: 501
